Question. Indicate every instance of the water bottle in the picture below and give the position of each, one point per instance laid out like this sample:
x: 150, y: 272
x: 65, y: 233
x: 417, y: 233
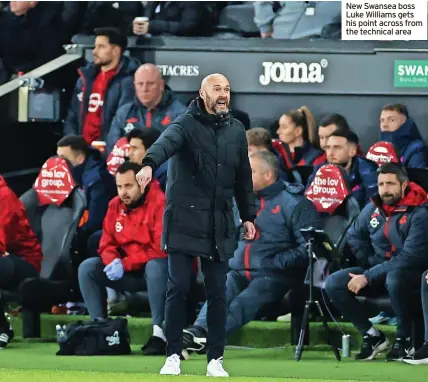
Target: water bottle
x: 345, y: 346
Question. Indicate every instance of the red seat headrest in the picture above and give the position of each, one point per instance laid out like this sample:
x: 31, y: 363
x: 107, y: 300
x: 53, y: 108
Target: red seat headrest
x: 55, y: 182
x: 329, y: 189
x: 117, y: 156
x: 383, y: 152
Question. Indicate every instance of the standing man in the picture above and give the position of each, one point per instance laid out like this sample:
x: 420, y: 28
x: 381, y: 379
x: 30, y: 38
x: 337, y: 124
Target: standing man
x: 209, y: 166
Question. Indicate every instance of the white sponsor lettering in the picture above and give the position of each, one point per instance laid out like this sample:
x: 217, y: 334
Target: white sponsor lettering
x: 179, y: 70
x: 293, y: 72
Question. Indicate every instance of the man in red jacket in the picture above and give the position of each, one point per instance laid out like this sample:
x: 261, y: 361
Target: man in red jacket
x: 130, y: 259
x: 20, y: 251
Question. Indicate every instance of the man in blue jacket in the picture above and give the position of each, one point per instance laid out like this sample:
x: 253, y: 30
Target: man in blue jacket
x: 264, y: 269
x: 90, y: 172
x: 396, y: 127
x: 342, y: 149
x: 390, y: 245
x: 103, y: 86
x: 154, y: 106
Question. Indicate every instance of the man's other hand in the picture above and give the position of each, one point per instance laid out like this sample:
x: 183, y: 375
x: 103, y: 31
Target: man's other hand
x: 250, y: 231
x: 357, y: 283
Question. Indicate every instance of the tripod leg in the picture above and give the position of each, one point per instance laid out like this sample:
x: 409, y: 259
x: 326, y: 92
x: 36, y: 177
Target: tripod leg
x: 327, y: 332
x: 305, y: 320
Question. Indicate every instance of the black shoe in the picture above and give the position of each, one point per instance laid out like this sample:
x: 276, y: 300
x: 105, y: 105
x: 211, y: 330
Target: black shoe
x: 154, y: 346
x: 401, y: 349
x: 420, y: 357
x: 194, y: 339
x: 6, y: 335
x: 371, y: 347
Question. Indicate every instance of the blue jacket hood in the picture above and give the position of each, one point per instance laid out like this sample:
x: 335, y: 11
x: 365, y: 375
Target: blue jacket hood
x: 401, y: 138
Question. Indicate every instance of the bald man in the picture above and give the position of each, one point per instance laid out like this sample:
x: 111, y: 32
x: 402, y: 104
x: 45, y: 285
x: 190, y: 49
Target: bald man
x: 209, y: 166
x: 154, y: 106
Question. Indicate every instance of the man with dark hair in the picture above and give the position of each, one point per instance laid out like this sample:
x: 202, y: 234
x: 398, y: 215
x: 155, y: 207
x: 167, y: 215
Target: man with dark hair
x: 263, y: 270
x: 103, y: 86
x: 398, y: 128
x: 209, y: 166
x: 130, y: 259
x: 329, y: 124
x: 390, y: 246
x: 140, y: 140
x: 154, y: 106
x: 90, y: 172
x: 341, y: 149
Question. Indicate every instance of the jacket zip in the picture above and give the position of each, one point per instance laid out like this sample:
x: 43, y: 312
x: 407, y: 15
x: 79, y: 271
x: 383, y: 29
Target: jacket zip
x: 386, y: 233
x: 248, y: 246
x: 82, y: 104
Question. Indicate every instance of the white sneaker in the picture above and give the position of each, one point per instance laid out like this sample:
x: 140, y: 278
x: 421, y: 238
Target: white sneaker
x: 171, y: 366
x: 215, y: 368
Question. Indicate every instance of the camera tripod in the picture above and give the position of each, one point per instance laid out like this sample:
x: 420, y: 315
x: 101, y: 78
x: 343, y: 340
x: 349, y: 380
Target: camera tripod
x: 313, y: 306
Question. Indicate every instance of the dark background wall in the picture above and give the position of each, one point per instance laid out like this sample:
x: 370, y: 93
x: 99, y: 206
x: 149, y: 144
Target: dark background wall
x: 358, y: 78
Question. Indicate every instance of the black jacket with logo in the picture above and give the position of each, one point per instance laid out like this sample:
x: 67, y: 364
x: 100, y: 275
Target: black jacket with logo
x: 208, y: 167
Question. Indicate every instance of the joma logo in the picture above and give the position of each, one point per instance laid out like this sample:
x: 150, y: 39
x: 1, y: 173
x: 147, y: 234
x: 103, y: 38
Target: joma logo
x: 293, y: 72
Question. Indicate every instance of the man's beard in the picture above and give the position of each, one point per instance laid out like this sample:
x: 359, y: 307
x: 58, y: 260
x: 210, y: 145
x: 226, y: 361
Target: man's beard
x: 101, y: 62
x: 344, y: 164
x: 392, y: 199
x: 212, y: 105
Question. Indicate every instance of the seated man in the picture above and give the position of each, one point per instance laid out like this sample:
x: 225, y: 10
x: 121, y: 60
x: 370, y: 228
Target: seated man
x: 341, y: 149
x: 154, y: 106
x: 90, y: 172
x: 260, y: 139
x: 396, y: 127
x: 20, y: 251
x: 140, y: 140
x: 104, y: 85
x: 328, y: 125
x: 130, y: 253
x: 264, y: 269
x: 390, y: 246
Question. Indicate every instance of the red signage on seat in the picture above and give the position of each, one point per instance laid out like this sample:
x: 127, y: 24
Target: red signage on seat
x: 329, y: 189
x: 55, y: 182
x: 117, y: 156
x: 383, y: 152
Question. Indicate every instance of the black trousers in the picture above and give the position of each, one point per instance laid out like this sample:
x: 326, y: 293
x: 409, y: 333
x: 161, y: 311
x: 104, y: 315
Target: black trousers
x: 179, y: 280
x: 400, y: 285
x: 13, y: 270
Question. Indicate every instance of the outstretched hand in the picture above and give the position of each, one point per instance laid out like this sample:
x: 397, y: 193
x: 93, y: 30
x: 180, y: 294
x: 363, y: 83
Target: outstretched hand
x: 144, y: 177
